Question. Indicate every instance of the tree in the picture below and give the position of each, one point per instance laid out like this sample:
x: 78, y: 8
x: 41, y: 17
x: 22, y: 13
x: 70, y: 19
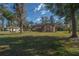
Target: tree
x: 20, y: 14
x: 45, y: 20
x: 52, y: 20
x: 8, y: 15
x: 11, y: 16
x: 2, y: 17
x: 65, y: 10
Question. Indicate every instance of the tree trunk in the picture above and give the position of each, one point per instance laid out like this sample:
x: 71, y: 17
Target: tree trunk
x: 21, y: 19
x: 74, y: 27
x: 21, y: 26
x: 12, y: 25
x: 2, y: 24
x: 19, y: 12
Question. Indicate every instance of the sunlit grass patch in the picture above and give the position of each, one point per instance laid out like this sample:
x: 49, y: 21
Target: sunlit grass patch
x: 14, y: 34
x: 4, y: 48
x: 59, y: 33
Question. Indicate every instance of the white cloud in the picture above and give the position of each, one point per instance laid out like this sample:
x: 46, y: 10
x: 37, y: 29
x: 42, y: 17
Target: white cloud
x: 40, y: 6
x: 44, y: 12
x: 28, y: 18
x: 37, y: 20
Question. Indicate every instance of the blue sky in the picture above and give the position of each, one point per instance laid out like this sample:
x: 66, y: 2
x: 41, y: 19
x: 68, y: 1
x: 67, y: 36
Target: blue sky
x: 33, y: 11
x: 36, y: 11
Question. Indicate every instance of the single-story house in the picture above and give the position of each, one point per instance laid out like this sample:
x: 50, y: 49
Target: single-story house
x: 44, y: 28
x: 13, y: 29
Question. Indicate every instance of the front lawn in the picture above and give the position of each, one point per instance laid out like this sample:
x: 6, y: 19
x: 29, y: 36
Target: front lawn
x: 36, y: 43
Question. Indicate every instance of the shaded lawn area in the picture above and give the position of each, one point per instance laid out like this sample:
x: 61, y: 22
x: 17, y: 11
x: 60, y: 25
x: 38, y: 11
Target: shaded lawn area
x: 35, y: 44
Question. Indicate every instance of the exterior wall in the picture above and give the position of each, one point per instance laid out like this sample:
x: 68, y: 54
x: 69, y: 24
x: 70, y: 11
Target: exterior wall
x: 14, y: 29
x: 49, y: 28
x: 45, y: 28
x: 54, y: 29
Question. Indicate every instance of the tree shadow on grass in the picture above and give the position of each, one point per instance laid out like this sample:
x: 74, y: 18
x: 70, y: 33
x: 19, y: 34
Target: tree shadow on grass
x: 32, y: 46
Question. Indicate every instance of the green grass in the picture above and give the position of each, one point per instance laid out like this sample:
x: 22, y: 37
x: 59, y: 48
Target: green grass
x: 59, y: 34
x: 9, y: 34
x: 36, y: 43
